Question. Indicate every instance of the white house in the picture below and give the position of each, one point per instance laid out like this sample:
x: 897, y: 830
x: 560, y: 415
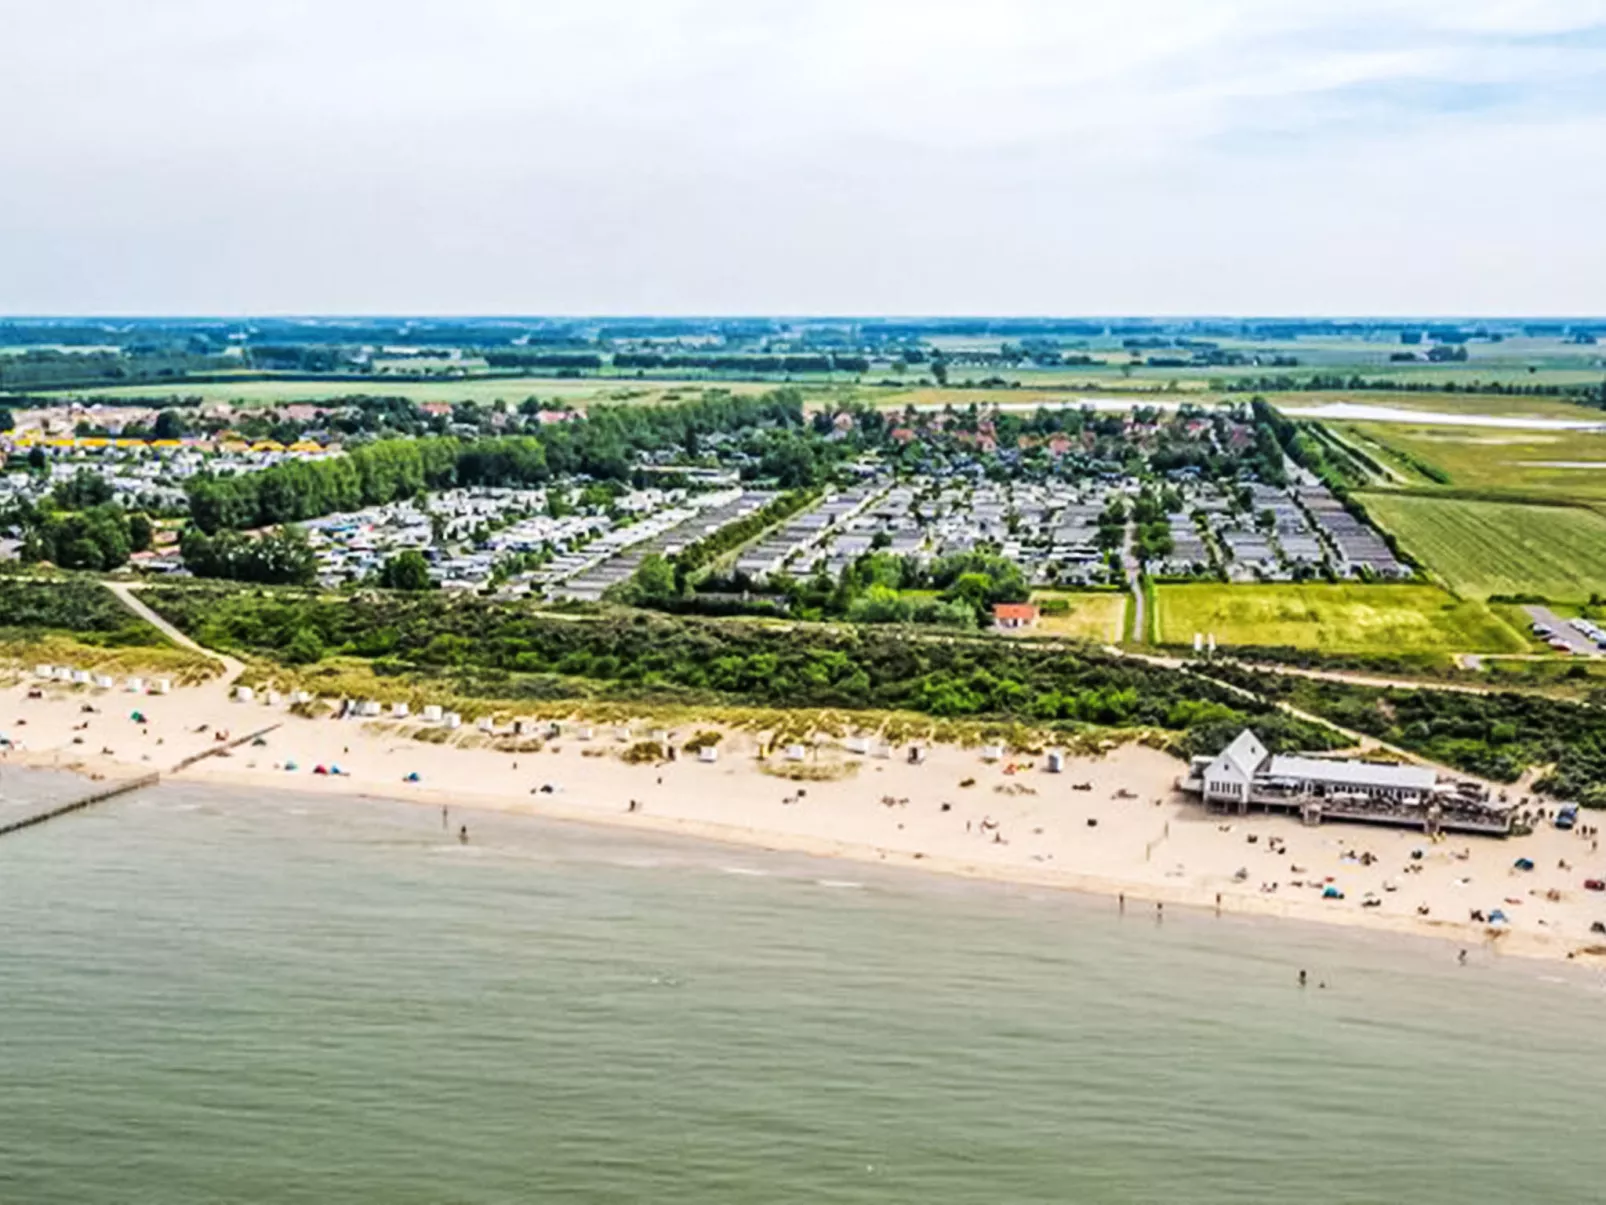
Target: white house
x: 1230, y: 774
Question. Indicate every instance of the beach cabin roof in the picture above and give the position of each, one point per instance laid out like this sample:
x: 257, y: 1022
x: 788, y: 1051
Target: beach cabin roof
x: 1354, y: 773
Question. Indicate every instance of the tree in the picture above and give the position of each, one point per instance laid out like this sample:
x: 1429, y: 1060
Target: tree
x: 7, y: 421
x: 304, y: 648
x: 38, y: 462
x: 141, y: 531
x: 170, y: 425
x: 407, y: 570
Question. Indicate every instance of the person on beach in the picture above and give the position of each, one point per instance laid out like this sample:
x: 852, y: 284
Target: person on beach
x: 445, y: 824
x: 1461, y: 958
x: 1302, y: 978
x: 462, y: 835
x: 1120, y: 901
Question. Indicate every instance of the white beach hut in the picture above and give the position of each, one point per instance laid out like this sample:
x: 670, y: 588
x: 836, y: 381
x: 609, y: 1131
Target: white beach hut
x: 105, y: 681
x: 243, y: 694
x: 857, y: 744
x: 135, y: 686
x: 487, y: 724
x: 398, y: 711
x: 80, y: 677
x: 299, y: 698
x: 992, y: 753
x: 621, y: 734
x: 369, y: 708
x: 433, y: 713
x: 452, y: 720
x: 882, y: 749
x: 63, y: 673
x: 585, y: 732
x: 162, y: 686
x: 796, y: 753
x: 44, y: 671
x: 1056, y: 761
x: 272, y: 698
x: 708, y: 754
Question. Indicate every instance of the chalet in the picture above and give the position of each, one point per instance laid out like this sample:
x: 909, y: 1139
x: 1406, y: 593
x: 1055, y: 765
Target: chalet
x: 1015, y: 617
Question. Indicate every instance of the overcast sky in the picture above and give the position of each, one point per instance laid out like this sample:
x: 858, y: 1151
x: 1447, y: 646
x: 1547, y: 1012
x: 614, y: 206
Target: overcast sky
x: 803, y: 156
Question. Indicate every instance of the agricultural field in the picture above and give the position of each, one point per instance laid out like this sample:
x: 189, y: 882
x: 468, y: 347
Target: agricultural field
x: 1094, y: 616
x: 483, y: 390
x: 1332, y: 618
x: 1481, y: 548
x: 1567, y: 466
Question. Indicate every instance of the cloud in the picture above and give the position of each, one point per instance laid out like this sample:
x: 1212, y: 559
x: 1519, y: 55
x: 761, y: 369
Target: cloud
x: 822, y: 155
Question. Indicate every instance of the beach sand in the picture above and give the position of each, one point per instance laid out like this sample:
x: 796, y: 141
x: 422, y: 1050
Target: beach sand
x: 1128, y: 834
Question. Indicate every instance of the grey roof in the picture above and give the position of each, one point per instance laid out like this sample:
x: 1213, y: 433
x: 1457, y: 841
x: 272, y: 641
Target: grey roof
x: 1353, y: 773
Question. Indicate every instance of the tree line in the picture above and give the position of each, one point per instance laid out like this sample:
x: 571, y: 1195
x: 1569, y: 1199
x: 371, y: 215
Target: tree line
x: 603, y: 444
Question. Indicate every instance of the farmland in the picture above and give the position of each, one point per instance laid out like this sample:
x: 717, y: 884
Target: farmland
x: 483, y: 390
x: 1481, y: 548
x: 1332, y: 618
x: 1561, y: 465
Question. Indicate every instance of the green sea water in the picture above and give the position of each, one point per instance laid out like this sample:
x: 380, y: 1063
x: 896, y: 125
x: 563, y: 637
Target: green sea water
x: 209, y: 996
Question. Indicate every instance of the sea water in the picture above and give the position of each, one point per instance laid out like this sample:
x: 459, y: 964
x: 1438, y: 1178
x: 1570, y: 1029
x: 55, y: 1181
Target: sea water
x: 216, y: 996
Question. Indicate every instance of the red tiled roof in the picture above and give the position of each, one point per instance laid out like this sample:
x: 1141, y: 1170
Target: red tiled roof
x: 1015, y: 611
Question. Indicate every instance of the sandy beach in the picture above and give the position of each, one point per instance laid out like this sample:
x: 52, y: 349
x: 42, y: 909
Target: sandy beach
x: 1112, y: 825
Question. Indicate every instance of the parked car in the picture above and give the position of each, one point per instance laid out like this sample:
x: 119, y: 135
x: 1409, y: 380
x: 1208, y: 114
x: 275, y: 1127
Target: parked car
x: 1595, y: 884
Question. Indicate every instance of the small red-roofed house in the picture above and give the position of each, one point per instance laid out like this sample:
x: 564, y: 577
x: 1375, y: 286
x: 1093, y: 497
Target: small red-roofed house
x: 1015, y: 617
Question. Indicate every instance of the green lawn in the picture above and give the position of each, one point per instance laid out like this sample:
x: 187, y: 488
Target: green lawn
x: 1332, y: 618
x: 1483, y: 548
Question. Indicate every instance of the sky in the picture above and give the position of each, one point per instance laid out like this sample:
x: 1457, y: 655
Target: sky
x: 1065, y: 157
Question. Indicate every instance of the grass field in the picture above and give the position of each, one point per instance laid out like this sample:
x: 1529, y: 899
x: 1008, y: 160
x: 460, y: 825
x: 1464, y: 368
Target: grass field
x: 1095, y: 616
x: 1384, y: 619
x: 1483, y: 548
x: 1568, y: 466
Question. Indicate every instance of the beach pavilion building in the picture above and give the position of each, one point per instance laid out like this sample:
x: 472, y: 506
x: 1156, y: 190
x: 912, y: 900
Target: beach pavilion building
x: 1246, y: 775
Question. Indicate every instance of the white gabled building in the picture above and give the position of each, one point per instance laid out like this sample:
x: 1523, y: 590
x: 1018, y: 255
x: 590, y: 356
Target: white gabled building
x: 1246, y: 775
x: 1229, y: 776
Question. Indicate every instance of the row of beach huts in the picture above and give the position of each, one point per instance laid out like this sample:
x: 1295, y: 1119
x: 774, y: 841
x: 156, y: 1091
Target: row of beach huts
x: 69, y: 675
x: 435, y: 714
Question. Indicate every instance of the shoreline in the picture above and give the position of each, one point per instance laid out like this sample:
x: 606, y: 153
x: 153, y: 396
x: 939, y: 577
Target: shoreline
x: 1109, y: 825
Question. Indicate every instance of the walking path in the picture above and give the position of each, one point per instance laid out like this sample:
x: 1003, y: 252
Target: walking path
x: 232, y: 668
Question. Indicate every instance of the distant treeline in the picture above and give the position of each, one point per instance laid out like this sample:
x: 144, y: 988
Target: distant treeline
x: 45, y: 369
x: 678, y: 361
x: 1589, y: 394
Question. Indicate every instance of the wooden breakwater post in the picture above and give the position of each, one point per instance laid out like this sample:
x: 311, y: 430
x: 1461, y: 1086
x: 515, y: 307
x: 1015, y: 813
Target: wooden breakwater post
x: 100, y: 795
x: 124, y: 786
x: 220, y: 748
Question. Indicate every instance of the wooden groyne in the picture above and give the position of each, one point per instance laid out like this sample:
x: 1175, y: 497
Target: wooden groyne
x: 110, y: 791
x: 126, y: 785
x: 220, y: 748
